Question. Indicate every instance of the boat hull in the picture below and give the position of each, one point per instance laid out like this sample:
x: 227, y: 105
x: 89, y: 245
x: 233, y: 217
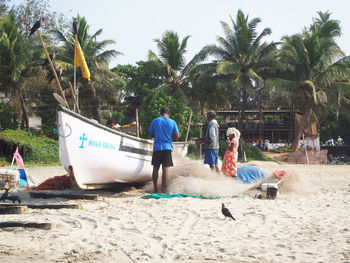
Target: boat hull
x: 98, y: 157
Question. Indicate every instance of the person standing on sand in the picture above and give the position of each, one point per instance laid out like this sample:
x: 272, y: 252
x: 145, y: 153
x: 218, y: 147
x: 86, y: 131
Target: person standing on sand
x: 211, y: 142
x: 162, y: 129
x: 229, y: 164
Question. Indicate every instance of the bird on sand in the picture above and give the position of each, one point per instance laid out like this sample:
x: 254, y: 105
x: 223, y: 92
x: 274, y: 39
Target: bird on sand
x: 14, y: 198
x: 46, y: 61
x: 36, y: 26
x: 58, y: 72
x: 226, y: 212
x: 4, y: 195
x: 75, y: 26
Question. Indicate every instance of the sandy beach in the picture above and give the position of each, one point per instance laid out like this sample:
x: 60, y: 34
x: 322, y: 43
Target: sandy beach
x: 308, y: 223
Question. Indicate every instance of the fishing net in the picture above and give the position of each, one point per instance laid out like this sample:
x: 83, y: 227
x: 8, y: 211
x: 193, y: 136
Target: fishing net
x: 55, y: 183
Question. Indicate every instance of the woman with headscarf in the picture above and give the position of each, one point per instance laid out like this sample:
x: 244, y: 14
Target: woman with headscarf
x: 229, y: 163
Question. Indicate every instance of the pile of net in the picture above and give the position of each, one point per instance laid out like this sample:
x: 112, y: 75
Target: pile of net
x: 56, y: 183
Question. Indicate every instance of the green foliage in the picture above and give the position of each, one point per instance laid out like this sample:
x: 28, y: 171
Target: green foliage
x: 45, y: 109
x: 179, y: 113
x: 313, y: 69
x: 241, y: 59
x: 117, y: 116
x: 7, y: 117
x: 141, y: 82
x: 331, y: 127
x: 13, y: 50
x: 48, y: 127
x: 38, y: 149
x: 171, y: 50
x: 14, y: 60
x: 104, y: 84
x: 254, y: 153
x: 171, y: 58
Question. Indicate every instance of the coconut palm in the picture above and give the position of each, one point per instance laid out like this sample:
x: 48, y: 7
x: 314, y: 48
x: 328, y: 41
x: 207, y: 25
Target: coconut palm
x: 171, y: 57
x: 204, y: 82
x: 238, y: 56
x: 103, y: 80
x: 313, y: 68
x: 14, y: 58
x: 339, y: 90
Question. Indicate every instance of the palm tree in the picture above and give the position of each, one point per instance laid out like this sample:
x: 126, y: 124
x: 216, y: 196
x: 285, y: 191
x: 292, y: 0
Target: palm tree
x: 14, y: 58
x: 204, y: 82
x: 238, y: 55
x: 171, y: 57
x: 312, y: 68
x: 330, y: 29
x: 97, y: 58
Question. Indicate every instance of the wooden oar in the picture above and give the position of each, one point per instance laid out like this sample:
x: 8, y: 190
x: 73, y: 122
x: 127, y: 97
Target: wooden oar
x: 59, y: 99
x: 52, y: 68
x: 73, y: 96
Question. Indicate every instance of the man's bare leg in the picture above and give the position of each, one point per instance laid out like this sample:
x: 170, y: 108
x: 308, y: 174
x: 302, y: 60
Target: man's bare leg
x: 164, y: 177
x: 155, y: 178
x: 215, y: 167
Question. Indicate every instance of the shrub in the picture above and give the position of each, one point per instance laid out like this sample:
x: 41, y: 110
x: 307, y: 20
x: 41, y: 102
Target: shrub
x: 37, y: 149
x: 179, y: 113
x: 254, y: 153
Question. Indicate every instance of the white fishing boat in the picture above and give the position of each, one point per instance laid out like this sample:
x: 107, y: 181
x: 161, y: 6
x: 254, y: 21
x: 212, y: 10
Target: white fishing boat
x: 96, y: 156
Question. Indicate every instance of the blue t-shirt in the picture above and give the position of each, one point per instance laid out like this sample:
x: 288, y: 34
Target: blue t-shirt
x: 163, y: 128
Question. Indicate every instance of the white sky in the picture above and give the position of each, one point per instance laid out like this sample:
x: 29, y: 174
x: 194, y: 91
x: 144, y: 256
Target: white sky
x: 134, y: 24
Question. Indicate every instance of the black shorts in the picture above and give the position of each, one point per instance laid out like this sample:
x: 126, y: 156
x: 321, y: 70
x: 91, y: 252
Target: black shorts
x: 163, y: 158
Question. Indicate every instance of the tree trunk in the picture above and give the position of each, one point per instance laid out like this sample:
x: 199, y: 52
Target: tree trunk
x: 292, y: 124
x: 243, y: 107
x: 260, y: 117
x: 297, y: 135
x: 299, y: 128
x: 25, y: 119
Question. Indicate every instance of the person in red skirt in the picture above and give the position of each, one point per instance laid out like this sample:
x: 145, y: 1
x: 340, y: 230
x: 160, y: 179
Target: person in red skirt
x: 229, y: 164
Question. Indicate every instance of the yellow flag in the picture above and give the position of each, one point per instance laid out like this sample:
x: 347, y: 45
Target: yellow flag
x: 79, y: 60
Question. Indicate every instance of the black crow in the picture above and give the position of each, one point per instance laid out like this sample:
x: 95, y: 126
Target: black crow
x: 4, y: 195
x: 46, y: 61
x: 36, y: 26
x: 226, y: 212
x: 59, y: 74
x: 14, y: 198
x: 75, y: 26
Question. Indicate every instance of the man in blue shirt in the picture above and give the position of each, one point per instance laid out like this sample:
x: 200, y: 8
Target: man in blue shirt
x: 162, y: 129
